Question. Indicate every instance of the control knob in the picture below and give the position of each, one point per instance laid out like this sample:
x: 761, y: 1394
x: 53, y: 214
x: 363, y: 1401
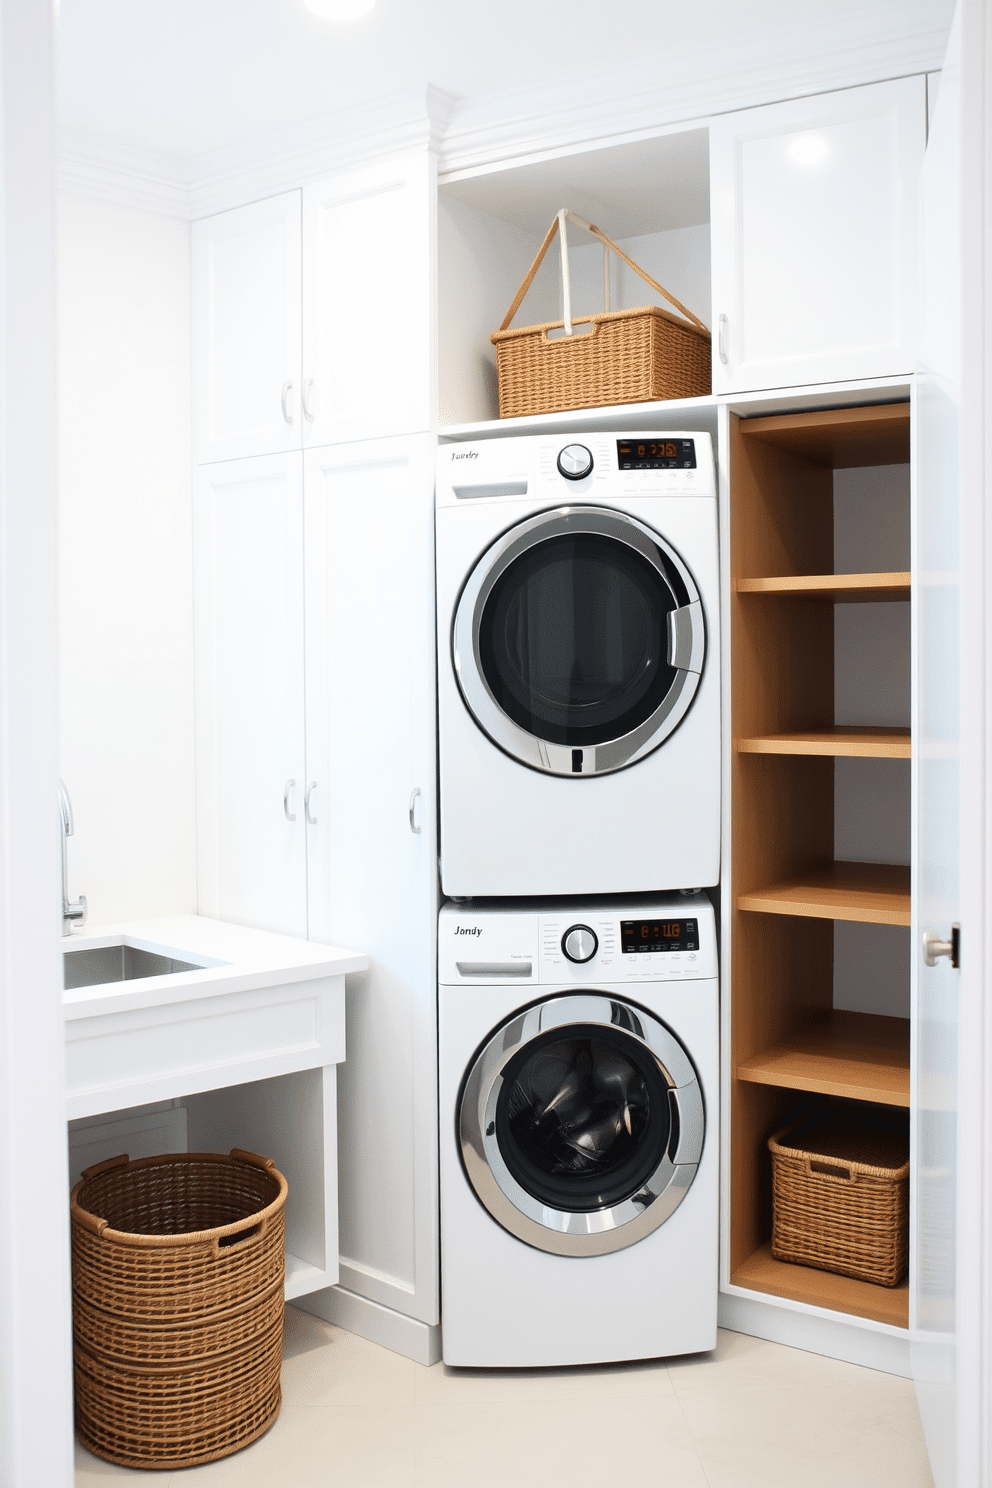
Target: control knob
x: 580, y: 943
x: 575, y: 462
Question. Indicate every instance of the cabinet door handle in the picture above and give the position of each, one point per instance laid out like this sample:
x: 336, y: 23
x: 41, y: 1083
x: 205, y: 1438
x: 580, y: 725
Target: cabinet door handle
x: 413, y: 808
x: 307, y: 405
x: 721, y: 340
x: 290, y: 815
x: 287, y: 412
x: 306, y: 803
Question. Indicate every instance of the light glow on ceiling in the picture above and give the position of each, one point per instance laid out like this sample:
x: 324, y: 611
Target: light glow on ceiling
x: 339, y: 10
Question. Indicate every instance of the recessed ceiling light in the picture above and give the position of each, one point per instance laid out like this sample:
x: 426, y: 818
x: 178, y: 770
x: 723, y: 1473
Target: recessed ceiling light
x: 339, y: 10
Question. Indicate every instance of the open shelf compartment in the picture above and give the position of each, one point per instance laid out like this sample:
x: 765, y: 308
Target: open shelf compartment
x: 790, y: 888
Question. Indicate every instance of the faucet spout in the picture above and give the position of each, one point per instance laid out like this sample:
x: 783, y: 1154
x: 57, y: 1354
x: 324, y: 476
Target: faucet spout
x: 70, y: 912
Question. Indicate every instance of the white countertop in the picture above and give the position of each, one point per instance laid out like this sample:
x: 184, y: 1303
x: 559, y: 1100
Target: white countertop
x: 236, y: 960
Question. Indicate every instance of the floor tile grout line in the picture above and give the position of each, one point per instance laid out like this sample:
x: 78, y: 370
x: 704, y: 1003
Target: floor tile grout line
x: 685, y: 1418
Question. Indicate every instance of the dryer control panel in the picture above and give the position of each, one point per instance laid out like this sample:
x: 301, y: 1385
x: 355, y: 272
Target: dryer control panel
x: 671, y: 938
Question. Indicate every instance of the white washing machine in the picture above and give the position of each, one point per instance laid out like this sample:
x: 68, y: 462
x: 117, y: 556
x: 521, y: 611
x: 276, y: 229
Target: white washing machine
x: 578, y: 664
x: 578, y: 1087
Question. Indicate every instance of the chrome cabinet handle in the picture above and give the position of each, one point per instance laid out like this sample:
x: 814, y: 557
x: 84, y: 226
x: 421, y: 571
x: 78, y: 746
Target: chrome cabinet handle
x: 306, y: 803
x: 721, y: 342
x: 413, y: 807
x: 290, y: 815
x: 287, y: 414
x: 934, y: 947
x: 307, y: 405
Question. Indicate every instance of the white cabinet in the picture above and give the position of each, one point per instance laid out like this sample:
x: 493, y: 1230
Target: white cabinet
x: 351, y: 527
x: 814, y: 237
x: 312, y: 316
x: 373, y: 881
x: 368, y: 323
x: 250, y: 727
x: 246, y: 330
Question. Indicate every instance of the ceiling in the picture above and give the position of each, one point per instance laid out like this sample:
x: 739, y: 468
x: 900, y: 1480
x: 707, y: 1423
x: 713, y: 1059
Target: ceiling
x: 185, y: 77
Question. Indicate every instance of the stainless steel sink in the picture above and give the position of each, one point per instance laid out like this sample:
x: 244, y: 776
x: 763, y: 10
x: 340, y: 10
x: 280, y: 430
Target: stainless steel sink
x: 93, y: 966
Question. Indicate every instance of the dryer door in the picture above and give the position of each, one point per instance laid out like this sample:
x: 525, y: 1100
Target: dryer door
x: 581, y: 1124
x: 579, y: 640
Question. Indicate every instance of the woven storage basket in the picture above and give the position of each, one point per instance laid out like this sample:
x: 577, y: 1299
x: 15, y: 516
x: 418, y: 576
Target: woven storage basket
x: 629, y: 356
x: 178, y: 1267
x: 840, y: 1194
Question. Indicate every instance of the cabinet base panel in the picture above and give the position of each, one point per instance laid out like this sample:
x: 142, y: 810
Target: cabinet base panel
x: 415, y: 1340
x: 785, y: 1322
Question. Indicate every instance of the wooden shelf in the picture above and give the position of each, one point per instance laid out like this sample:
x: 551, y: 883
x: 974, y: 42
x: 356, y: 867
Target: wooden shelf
x: 839, y: 438
x: 846, y: 588
x: 872, y: 893
x: 859, y: 743
x: 856, y: 1055
x: 762, y: 1273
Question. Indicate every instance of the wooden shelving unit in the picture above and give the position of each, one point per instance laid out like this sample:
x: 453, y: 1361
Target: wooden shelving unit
x: 762, y: 1273
x: 788, y: 1044
x: 844, y: 588
x: 858, y: 1056
x: 872, y: 893
x: 852, y: 743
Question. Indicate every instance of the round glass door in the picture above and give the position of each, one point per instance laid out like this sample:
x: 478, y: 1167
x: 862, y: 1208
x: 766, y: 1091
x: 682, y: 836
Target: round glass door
x: 581, y: 1124
x: 579, y: 641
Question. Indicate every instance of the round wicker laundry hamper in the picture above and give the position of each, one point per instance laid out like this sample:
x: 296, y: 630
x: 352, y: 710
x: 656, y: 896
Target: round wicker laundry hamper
x: 178, y: 1266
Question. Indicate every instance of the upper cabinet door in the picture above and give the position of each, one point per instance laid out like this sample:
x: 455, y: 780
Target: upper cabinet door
x: 368, y: 324
x: 246, y: 330
x: 814, y: 237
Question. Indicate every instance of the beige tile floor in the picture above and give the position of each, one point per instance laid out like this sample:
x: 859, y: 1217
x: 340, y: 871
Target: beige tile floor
x: 749, y: 1415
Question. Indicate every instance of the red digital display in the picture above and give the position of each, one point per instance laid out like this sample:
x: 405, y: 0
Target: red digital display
x: 656, y: 454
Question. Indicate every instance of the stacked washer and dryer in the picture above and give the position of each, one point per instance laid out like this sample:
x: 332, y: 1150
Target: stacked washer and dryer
x: 579, y: 717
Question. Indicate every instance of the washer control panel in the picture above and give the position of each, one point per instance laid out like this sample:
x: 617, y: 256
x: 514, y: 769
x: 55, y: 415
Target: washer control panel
x: 668, y: 938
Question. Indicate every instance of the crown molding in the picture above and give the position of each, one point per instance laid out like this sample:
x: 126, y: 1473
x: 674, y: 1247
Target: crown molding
x: 413, y: 119
x: 120, y: 174
x: 471, y: 135
x: 698, y: 83
x: 277, y: 161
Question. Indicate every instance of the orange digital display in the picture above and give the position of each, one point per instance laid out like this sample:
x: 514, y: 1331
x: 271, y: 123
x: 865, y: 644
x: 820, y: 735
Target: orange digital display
x: 656, y: 454
x: 658, y: 935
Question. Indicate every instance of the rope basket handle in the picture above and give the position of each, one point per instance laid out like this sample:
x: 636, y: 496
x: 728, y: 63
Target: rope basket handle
x: 833, y: 1172
x: 566, y: 215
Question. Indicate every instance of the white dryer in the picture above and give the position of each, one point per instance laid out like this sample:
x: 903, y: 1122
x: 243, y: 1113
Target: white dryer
x: 578, y: 664
x: 578, y: 1077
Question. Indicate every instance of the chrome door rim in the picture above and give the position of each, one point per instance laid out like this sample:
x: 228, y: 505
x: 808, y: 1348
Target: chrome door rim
x: 687, y: 642
x: 559, y: 1231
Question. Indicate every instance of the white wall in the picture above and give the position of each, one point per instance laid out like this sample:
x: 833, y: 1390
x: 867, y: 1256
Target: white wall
x: 125, y: 560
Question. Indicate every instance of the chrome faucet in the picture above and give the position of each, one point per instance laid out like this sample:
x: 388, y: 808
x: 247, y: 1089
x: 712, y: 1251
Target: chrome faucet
x: 77, y: 911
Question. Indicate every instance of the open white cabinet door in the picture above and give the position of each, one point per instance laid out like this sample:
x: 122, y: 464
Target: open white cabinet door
x: 952, y: 1147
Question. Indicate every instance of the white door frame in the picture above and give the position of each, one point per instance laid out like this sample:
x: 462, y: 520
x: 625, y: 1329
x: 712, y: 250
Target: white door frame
x: 35, y: 1327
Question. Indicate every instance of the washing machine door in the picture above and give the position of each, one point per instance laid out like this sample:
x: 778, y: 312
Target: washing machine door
x: 581, y: 1124
x: 579, y: 641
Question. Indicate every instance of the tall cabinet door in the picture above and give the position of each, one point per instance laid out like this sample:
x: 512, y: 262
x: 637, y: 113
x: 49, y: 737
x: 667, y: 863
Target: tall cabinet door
x: 814, y: 229
x: 949, y: 1182
x: 368, y: 326
x: 250, y: 741
x: 373, y: 847
x: 246, y: 330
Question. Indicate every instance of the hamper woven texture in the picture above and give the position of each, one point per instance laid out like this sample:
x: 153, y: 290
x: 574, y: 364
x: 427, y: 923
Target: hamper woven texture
x: 178, y: 1267
x: 629, y: 356
x: 840, y: 1195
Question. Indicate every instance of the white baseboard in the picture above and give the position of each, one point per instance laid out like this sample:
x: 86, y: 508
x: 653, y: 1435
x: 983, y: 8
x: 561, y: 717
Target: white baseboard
x: 873, y: 1346
x: 418, y: 1341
